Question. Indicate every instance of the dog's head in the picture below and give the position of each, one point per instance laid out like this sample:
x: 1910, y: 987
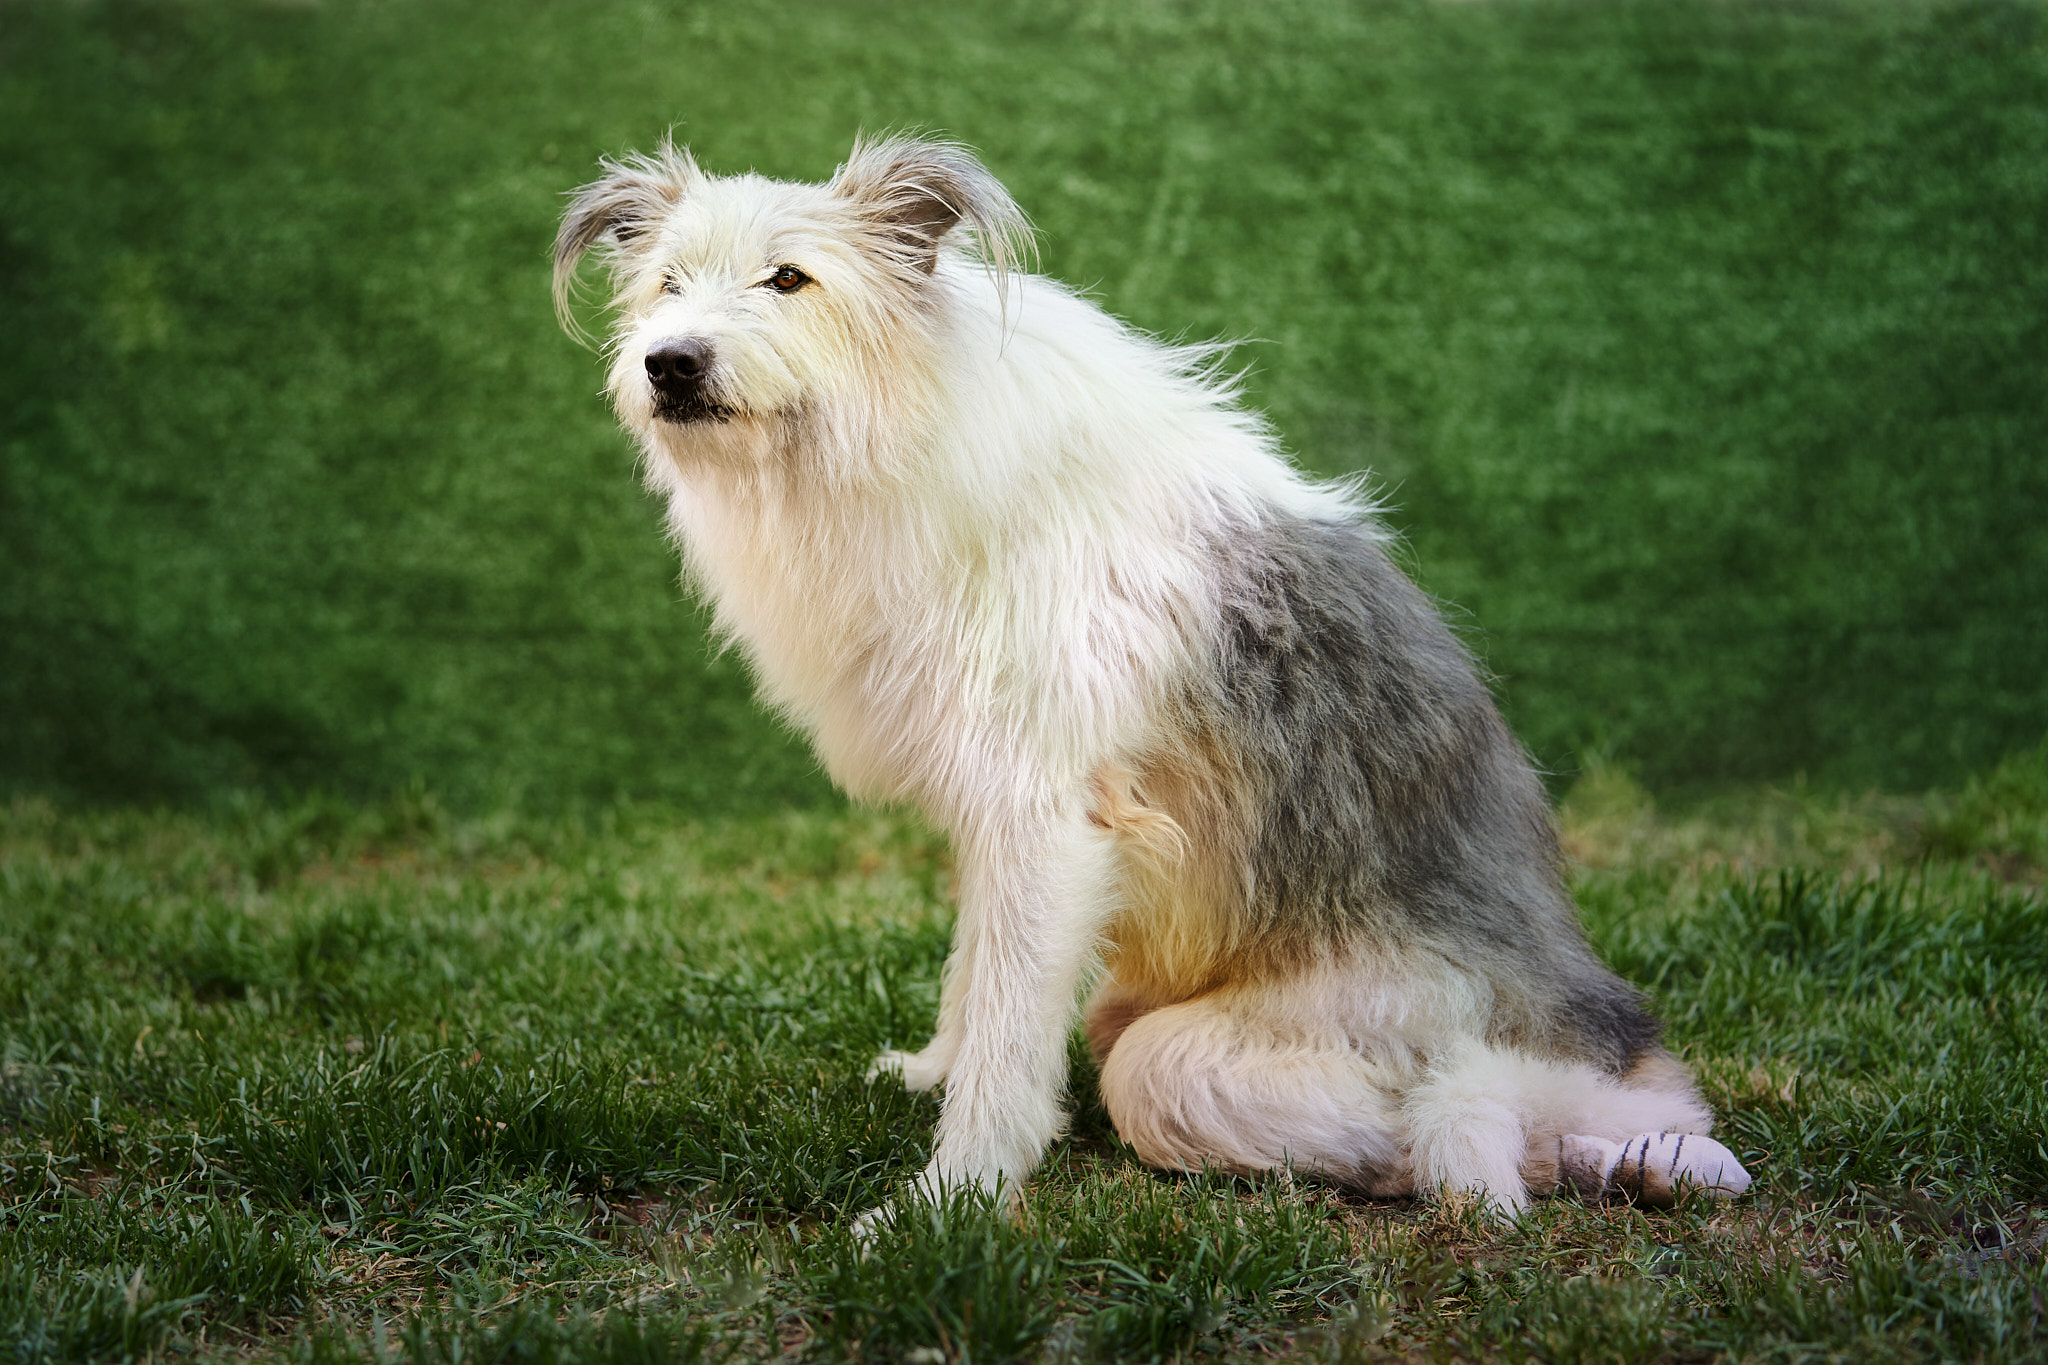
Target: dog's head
x: 745, y: 305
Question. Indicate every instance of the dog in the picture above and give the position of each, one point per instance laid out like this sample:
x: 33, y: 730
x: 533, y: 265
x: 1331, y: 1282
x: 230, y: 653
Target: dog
x: 1193, y: 735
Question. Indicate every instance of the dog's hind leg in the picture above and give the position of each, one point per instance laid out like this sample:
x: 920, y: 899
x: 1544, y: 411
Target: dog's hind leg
x: 1112, y: 1008
x: 1505, y: 1124
x: 1650, y: 1168
x: 1213, y: 1082
x: 1224, y: 1080
x: 1639, y: 1136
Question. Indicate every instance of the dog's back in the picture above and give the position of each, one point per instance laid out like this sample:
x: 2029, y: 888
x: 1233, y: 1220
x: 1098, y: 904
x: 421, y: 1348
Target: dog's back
x: 1379, y: 797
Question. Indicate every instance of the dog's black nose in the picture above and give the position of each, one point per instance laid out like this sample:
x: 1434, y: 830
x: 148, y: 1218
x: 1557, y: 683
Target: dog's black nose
x: 676, y: 366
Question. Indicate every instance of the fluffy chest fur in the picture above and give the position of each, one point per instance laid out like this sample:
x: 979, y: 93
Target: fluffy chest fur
x: 928, y: 644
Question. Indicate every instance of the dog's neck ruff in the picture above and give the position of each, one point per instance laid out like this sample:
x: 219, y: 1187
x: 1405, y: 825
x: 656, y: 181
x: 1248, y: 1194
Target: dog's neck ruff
x: 1002, y: 542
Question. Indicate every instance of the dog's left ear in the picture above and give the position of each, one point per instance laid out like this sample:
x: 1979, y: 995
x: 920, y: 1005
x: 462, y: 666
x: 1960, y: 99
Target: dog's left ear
x: 617, y: 210
x: 917, y: 190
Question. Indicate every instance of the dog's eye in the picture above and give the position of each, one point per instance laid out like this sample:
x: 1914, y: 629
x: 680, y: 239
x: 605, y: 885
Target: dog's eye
x: 668, y: 284
x: 788, y: 279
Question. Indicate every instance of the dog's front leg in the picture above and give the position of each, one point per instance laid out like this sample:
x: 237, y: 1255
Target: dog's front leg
x: 1034, y: 895
x: 921, y: 1070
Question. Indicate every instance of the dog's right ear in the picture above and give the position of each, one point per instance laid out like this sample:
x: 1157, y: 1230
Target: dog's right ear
x: 616, y: 210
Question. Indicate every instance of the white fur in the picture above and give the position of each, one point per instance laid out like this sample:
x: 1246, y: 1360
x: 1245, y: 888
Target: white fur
x: 1651, y: 1168
x: 955, y: 521
x: 1367, y: 1070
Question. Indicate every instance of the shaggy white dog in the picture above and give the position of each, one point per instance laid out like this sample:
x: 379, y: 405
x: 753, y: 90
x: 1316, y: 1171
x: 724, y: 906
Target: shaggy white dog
x: 1044, y: 578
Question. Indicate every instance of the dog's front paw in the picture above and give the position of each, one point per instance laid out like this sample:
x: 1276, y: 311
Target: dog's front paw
x: 934, y: 1193
x: 955, y: 1187
x: 919, y: 1071
x: 872, y: 1224
x: 1650, y: 1168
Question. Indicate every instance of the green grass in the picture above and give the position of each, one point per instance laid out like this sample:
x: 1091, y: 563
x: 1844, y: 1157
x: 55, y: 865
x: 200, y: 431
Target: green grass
x: 335, y: 1082
x: 1697, y: 345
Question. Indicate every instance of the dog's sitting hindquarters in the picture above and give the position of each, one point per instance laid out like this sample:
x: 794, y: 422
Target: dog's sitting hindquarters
x: 1004, y: 558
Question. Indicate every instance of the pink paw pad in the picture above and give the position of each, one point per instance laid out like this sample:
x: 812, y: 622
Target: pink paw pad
x: 1649, y: 1168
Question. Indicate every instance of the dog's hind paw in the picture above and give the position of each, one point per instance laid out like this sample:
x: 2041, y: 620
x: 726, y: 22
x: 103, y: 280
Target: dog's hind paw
x: 1650, y: 1168
x: 917, y: 1070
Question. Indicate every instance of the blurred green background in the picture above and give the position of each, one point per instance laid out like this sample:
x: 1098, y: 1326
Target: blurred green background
x: 1701, y: 351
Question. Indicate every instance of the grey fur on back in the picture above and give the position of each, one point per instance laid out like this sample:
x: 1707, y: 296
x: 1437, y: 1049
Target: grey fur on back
x: 1390, y: 799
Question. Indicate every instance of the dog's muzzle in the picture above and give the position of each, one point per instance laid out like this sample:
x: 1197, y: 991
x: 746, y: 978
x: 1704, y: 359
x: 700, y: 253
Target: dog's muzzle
x: 678, y: 369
